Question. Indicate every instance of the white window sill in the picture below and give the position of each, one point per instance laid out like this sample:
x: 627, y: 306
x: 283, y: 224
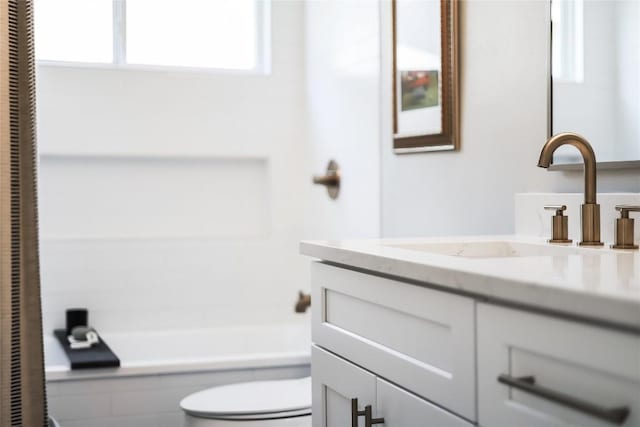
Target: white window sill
x: 259, y: 71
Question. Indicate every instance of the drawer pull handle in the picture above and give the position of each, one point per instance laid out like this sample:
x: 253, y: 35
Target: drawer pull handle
x: 355, y: 413
x: 528, y: 384
x: 368, y: 417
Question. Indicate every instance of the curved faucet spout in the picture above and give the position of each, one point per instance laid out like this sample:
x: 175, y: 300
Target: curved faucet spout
x: 590, y: 210
x: 587, y: 154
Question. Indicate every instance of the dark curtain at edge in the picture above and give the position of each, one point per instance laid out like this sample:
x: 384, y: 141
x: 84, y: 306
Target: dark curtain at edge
x: 22, y: 385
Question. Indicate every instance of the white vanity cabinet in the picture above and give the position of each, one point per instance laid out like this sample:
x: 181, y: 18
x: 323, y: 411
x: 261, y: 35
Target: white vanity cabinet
x: 536, y: 370
x: 400, y: 408
x: 410, y: 335
x: 423, y: 356
x: 336, y: 383
x: 342, y: 392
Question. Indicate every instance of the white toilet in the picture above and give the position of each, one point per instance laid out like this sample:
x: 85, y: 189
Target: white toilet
x: 285, y: 403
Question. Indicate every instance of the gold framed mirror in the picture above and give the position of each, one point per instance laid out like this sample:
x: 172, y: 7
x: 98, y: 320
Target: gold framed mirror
x: 425, y: 75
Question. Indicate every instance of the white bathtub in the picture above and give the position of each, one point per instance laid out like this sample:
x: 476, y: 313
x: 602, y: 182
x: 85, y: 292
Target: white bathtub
x: 159, y: 368
x: 191, y: 351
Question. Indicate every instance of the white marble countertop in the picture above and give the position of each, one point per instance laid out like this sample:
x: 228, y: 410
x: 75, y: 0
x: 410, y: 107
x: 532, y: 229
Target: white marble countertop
x: 601, y: 284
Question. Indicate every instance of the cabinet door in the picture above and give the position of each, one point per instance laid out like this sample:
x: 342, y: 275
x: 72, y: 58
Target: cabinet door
x: 420, y: 338
x: 335, y: 383
x: 540, y: 371
x: 400, y: 408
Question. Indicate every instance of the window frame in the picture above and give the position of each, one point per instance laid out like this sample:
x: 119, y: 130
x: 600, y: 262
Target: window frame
x: 119, y: 58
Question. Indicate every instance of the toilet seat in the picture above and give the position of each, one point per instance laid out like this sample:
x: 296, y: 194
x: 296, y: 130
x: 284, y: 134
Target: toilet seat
x: 253, y: 401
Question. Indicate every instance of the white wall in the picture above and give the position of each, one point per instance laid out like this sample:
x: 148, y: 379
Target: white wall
x: 107, y: 127
x: 166, y: 198
x: 342, y: 64
x: 503, y: 117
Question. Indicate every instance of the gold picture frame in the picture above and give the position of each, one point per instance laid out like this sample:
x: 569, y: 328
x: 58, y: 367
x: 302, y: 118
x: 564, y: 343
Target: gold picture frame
x: 449, y: 137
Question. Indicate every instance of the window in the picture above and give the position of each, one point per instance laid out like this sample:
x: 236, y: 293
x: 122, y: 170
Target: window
x: 60, y: 22
x: 219, y: 34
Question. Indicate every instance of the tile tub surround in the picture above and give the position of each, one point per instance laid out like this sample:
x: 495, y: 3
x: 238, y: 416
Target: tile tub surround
x: 144, y: 400
x: 532, y: 220
x: 160, y: 368
x: 601, y: 285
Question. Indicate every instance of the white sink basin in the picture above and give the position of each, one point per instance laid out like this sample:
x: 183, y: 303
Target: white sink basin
x: 495, y: 249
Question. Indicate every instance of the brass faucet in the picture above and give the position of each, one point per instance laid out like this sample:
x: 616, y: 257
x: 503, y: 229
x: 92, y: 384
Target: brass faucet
x: 590, y: 209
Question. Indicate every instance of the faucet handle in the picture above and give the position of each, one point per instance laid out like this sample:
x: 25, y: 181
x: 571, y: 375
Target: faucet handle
x: 625, y: 228
x: 559, y: 224
x: 625, y: 209
x: 558, y: 208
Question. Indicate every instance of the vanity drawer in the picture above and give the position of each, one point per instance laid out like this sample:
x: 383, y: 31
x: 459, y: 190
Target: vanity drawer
x: 579, y: 371
x: 408, y: 334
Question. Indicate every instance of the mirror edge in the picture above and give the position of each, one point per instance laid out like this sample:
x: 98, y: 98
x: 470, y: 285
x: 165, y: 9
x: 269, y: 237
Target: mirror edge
x: 618, y: 164
x: 574, y: 166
